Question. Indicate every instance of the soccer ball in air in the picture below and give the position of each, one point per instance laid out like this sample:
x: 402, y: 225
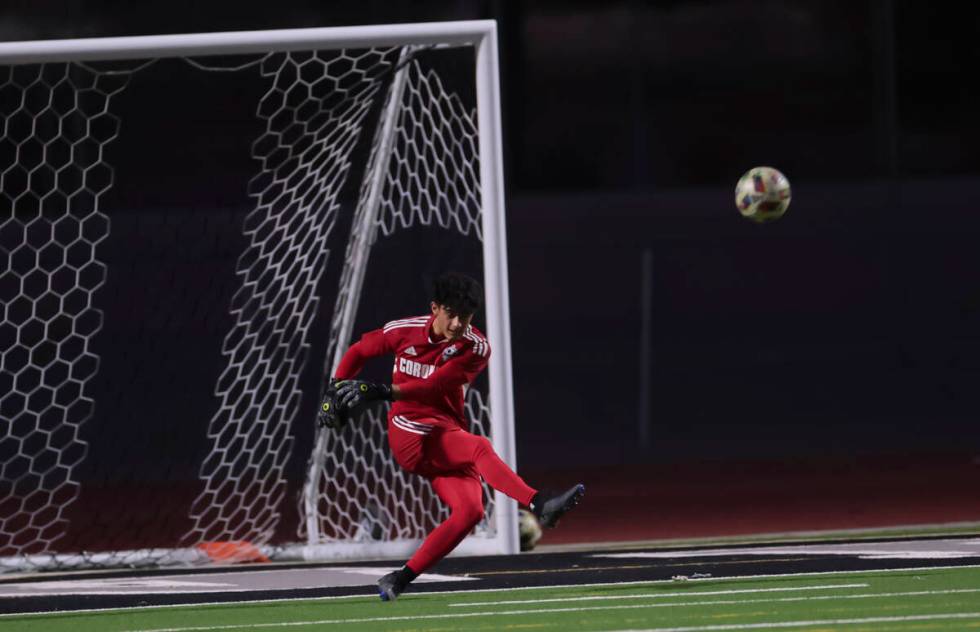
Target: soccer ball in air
x: 529, y: 528
x: 762, y: 194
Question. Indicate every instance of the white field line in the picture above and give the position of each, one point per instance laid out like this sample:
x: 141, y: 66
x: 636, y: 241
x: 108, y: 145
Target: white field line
x: 820, y: 622
x: 659, y: 595
x: 648, y: 582
x: 460, y: 615
x: 168, y: 584
x: 952, y: 548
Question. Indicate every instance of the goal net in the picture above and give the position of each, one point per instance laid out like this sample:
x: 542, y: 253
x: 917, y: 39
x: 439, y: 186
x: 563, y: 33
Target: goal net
x: 194, y: 229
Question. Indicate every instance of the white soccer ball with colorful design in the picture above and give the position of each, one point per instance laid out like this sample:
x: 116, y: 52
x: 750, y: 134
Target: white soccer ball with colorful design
x: 762, y: 194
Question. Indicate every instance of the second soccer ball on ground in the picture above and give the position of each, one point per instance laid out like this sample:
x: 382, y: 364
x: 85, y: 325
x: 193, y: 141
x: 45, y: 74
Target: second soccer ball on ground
x: 529, y: 529
x: 762, y: 194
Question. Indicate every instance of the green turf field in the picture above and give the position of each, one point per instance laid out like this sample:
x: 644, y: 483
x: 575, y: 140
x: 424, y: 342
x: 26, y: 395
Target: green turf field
x: 935, y: 599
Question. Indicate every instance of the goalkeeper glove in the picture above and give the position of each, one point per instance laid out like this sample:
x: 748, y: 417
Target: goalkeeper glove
x: 331, y: 414
x: 353, y: 393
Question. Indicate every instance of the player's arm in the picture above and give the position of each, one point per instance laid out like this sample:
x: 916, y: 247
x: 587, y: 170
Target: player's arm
x: 444, y: 380
x: 372, y: 344
x: 332, y: 413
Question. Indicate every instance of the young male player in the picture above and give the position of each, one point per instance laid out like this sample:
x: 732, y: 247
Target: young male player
x: 436, y: 356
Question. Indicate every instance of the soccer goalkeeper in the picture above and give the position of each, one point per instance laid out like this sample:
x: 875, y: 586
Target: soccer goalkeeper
x: 436, y: 356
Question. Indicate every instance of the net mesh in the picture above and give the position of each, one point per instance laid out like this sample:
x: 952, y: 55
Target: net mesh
x: 56, y: 124
x: 434, y: 174
x: 314, y: 113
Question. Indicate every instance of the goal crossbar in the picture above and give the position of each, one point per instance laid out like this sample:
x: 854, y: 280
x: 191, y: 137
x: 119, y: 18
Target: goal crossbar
x: 469, y: 32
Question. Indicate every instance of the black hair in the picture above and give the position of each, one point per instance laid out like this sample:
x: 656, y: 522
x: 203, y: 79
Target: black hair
x: 458, y: 292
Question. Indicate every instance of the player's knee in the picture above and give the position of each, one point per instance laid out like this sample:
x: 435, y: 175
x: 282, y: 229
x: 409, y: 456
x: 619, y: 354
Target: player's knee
x: 470, y: 514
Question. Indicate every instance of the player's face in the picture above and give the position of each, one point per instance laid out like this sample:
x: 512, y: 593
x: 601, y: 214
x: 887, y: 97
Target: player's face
x: 449, y: 324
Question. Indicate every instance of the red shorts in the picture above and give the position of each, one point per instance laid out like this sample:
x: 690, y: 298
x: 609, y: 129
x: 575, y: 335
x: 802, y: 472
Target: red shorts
x: 419, y: 447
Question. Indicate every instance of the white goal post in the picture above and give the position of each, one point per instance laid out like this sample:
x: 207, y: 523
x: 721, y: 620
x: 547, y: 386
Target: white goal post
x: 357, y: 129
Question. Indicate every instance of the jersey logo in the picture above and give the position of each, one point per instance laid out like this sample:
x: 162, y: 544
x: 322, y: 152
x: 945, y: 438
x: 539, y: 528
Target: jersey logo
x: 415, y: 369
x: 449, y: 352
x: 410, y: 351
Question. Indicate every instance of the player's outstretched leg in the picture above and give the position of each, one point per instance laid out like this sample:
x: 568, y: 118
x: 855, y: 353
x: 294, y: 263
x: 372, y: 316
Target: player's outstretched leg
x: 458, y: 449
x: 548, y: 507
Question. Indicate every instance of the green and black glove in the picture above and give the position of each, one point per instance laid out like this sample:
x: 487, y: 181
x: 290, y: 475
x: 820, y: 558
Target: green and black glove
x: 331, y: 414
x: 353, y: 393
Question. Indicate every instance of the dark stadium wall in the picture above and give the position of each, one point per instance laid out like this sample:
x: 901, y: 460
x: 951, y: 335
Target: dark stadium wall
x: 848, y: 327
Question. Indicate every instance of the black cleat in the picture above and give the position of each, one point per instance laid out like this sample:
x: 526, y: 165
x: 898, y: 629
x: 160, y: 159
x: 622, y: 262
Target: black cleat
x: 395, y: 583
x: 389, y: 586
x: 548, y: 507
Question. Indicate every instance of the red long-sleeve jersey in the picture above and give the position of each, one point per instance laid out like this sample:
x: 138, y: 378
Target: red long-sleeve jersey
x: 431, y: 374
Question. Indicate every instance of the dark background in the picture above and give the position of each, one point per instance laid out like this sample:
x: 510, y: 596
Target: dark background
x: 849, y: 327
